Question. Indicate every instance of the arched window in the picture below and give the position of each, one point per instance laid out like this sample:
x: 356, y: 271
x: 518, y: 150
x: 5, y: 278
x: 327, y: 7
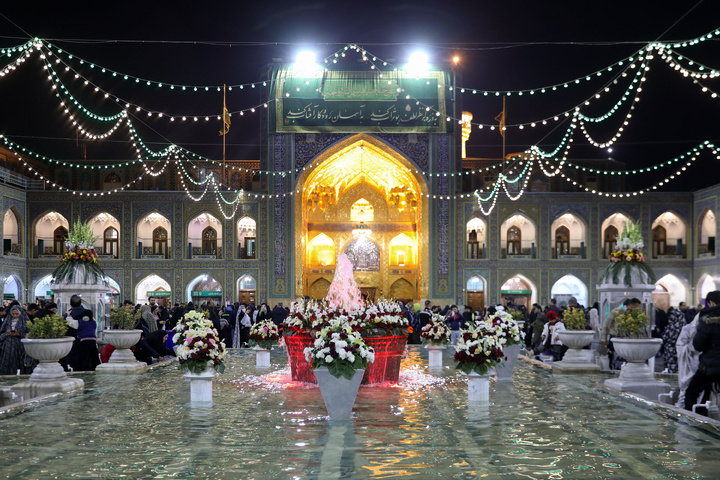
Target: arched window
x: 60, y: 235
x: 610, y: 237
x: 110, y: 242
x: 160, y: 242
x: 209, y: 241
x: 562, y: 241
x: 659, y: 239
x: 514, y: 241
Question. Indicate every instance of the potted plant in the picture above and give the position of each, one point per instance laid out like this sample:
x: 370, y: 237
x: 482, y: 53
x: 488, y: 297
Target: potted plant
x: 385, y: 328
x: 576, y: 336
x: 263, y: 335
x: 436, y: 336
x: 634, y: 344
x: 339, y: 358
x: 478, y: 349
x: 200, y: 353
x: 46, y: 342
x: 122, y: 335
x: 510, y: 335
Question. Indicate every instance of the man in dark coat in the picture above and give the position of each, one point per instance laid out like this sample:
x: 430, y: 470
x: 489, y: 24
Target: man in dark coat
x: 707, y: 342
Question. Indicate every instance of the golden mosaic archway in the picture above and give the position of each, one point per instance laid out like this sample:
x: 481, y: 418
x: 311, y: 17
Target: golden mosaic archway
x: 363, y: 172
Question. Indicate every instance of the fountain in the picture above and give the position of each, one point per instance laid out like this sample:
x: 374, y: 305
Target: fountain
x: 344, y: 299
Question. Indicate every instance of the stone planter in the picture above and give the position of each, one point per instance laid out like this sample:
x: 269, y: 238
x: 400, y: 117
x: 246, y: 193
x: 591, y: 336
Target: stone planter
x: 338, y: 393
x: 635, y: 375
x: 48, y: 376
x: 435, y: 353
x: 122, y: 359
x: 262, y: 357
x: 478, y: 387
x: 504, y: 372
x: 48, y: 351
x: 201, y: 386
x: 577, y: 359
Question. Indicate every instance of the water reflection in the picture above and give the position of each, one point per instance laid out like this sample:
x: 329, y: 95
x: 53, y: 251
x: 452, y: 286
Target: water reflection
x: 264, y: 426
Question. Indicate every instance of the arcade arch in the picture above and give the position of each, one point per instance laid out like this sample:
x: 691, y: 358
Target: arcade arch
x: 475, y: 236
x: 669, y: 291
x: 247, y: 236
x: 51, y: 231
x: 12, y: 289
x: 517, y: 236
x: 521, y: 288
x: 107, y: 228
x: 153, y: 232
x: 706, y: 284
x: 205, y: 235
x: 707, y: 231
x: 247, y: 289
x: 569, y: 286
x: 11, y: 232
x: 569, y: 236
x: 668, y: 236
x: 149, y: 285
x: 202, y: 289
x: 611, y: 229
x: 475, y: 290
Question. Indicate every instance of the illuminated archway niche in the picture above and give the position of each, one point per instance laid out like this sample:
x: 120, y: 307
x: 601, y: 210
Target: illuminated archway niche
x: 569, y: 286
x: 519, y: 283
x: 705, y: 285
x: 361, y: 186
x: 670, y: 291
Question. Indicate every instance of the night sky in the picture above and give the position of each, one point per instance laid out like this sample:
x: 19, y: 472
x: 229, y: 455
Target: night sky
x: 507, y: 45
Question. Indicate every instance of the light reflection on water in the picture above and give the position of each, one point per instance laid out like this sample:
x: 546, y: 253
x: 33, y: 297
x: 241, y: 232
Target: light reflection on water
x: 263, y: 426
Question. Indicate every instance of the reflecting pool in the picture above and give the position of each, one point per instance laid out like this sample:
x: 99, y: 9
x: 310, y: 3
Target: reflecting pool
x: 264, y: 426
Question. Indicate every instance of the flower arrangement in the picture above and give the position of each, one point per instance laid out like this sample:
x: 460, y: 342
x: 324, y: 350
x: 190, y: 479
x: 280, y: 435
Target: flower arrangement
x: 385, y: 318
x: 193, y: 320
x: 264, y: 334
x: 478, y: 349
x: 628, y: 256
x: 633, y: 323
x: 340, y: 349
x: 436, y: 332
x: 199, y: 345
x: 503, y: 323
x: 80, y: 252
x: 49, y: 326
x: 574, y: 319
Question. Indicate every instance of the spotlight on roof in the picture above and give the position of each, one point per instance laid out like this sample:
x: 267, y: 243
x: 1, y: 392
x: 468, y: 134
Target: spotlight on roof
x: 418, y: 62
x: 306, y: 63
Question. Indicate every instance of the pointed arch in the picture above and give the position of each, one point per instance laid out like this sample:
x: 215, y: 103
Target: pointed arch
x: 12, y: 232
x: 611, y: 228
x: 707, y: 232
x: 402, y: 251
x: 321, y: 250
x: 676, y: 289
x: 247, y: 237
x: 151, y: 283
x: 107, y: 228
x: 569, y: 232
x: 205, y: 235
x: 204, y: 283
x: 247, y: 289
x: 669, y: 235
x: 569, y: 286
x: 475, y: 237
x: 153, y: 232
x: 518, y: 235
x: 475, y: 288
x: 48, y: 233
x: 402, y: 290
x: 519, y: 283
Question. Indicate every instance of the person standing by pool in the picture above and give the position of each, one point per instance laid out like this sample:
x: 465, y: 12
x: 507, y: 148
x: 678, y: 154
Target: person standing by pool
x: 12, y: 351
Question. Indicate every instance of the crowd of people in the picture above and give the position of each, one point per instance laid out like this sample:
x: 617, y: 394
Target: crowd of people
x: 690, y: 348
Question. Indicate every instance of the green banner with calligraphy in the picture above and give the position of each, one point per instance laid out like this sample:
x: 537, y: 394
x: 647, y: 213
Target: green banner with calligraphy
x: 159, y: 293
x: 206, y: 293
x: 355, y: 101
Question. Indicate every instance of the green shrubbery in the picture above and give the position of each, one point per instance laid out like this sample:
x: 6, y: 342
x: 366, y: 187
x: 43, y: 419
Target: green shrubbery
x: 50, y: 326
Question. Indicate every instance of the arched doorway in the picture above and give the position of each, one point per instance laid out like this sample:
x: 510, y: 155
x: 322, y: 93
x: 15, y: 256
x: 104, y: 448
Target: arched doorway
x: 203, y: 289
x: 153, y: 286
x: 107, y: 228
x: 51, y: 231
x: 475, y: 289
x: 674, y: 289
x: 12, y: 290
x: 569, y: 286
x: 42, y: 289
x: 521, y: 289
x: 12, y: 233
x: 247, y: 289
x: 367, y: 201
x: 705, y: 286
x: 707, y: 230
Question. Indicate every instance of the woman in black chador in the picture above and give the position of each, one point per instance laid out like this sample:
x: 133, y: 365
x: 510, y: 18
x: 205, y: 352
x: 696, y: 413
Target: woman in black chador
x: 12, y: 351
